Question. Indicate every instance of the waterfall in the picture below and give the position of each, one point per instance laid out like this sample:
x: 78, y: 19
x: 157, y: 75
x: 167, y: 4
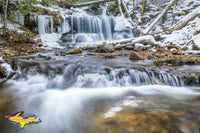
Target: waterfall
x: 90, y: 29
x: 80, y: 28
x: 45, y: 24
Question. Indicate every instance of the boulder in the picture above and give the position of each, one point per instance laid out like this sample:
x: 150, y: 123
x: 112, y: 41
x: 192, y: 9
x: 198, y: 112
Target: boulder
x: 5, y: 70
x: 39, y: 45
x: 74, y: 51
x: 136, y: 56
x: 108, y: 48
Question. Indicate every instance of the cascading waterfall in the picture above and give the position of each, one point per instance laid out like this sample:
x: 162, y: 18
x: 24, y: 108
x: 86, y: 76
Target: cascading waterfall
x: 90, y: 29
x: 80, y: 27
x: 73, y: 76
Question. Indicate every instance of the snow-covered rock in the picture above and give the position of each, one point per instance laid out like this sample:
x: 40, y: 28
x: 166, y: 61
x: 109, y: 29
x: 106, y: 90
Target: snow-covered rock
x: 5, y: 69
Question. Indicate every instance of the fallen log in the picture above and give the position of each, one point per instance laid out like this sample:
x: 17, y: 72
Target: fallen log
x: 86, y: 3
x: 148, y: 29
x: 184, y: 21
x: 124, y: 41
x: 128, y: 14
x: 141, y: 39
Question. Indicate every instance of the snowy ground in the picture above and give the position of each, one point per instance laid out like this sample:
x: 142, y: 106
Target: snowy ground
x: 10, y: 25
x: 184, y: 37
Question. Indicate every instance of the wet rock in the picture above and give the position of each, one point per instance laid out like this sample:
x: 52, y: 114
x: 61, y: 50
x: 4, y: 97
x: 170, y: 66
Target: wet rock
x: 110, y: 55
x: 14, y: 65
x: 62, y: 53
x: 136, y: 56
x: 10, y: 53
x: 67, y: 37
x: 170, y: 46
x: 39, y: 44
x: 38, y: 41
x: 184, y: 49
x: 191, y: 80
x: 174, y: 62
x: 94, y: 54
x: 88, y: 48
x: 108, y: 48
x: 5, y: 70
x: 158, y: 62
x: 44, y: 57
x: 106, y: 55
x: 189, y: 62
x: 74, y: 51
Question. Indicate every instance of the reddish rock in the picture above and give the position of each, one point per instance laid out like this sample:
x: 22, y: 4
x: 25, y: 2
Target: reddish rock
x: 136, y: 56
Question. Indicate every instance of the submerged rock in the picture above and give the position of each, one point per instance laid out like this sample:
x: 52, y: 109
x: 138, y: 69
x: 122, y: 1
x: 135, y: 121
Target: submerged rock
x: 74, y: 51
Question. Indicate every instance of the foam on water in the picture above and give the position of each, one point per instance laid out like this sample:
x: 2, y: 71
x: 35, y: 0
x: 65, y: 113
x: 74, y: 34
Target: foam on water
x: 61, y: 110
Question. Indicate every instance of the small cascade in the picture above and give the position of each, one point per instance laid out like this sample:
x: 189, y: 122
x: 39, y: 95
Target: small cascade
x: 76, y: 77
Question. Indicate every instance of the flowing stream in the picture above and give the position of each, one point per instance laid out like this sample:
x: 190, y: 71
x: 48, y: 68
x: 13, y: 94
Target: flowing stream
x: 86, y: 94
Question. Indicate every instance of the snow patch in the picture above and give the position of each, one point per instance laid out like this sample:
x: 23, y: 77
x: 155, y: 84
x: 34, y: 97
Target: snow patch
x: 122, y: 24
x: 185, y: 35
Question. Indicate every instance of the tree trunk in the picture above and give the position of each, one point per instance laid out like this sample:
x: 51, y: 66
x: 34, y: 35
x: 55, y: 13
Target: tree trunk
x: 125, y: 8
x: 144, y: 4
x: 5, y: 13
x: 127, y: 12
x: 119, y: 7
x: 148, y: 29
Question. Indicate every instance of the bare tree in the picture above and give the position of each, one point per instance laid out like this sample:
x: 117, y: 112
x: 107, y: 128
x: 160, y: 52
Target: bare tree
x: 144, y: 4
x: 5, y: 6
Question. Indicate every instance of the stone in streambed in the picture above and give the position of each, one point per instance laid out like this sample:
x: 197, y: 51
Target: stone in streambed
x: 105, y: 55
x: 108, y: 48
x: 158, y: 62
x: 136, y: 56
x: 5, y: 70
x: 74, y: 51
